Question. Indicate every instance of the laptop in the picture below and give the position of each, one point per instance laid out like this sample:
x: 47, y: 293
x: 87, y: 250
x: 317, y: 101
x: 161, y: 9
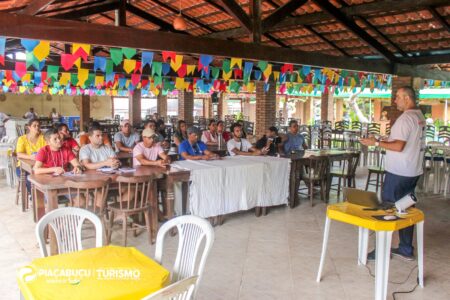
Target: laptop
x: 361, y: 197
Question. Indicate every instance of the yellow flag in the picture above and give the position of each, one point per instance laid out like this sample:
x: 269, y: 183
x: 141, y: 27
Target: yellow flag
x: 236, y: 61
x: 352, y: 83
x: 61, y: 92
x: 310, y: 88
x: 156, y: 92
x: 175, y: 65
x: 227, y: 76
x: 437, y: 83
x: 190, y: 69
x: 86, y: 48
x: 99, y: 80
x: 276, y: 75
x: 114, y: 92
x: 129, y: 65
x: 42, y: 50
x: 22, y: 89
x: 64, y: 79
x: 251, y: 87
x: 186, y: 85
x: 78, y: 63
x: 268, y: 71
x: 299, y: 78
x: 83, y: 75
x: 26, y: 77
x: 179, y: 83
x: 45, y: 88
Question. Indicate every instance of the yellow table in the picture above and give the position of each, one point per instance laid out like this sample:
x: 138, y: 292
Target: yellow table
x: 365, y: 220
x: 109, y: 272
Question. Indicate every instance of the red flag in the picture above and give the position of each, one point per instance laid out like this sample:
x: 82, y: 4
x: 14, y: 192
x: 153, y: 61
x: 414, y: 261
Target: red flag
x: 182, y: 71
x: 138, y: 67
x: 2, y: 60
x: 135, y: 79
x: 67, y: 61
x: 81, y: 53
x: 167, y: 54
x: 237, y: 74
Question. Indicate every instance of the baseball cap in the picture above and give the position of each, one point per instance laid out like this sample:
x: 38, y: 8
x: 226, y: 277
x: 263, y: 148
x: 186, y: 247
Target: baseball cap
x: 124, y: 122
x: 148, y: 133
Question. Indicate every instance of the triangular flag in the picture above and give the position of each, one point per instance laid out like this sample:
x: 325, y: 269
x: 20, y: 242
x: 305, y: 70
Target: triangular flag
x: 129, y: 52
x: 226, y: 66
x: 29, y: 45
x: 129, y: 65
x: 215, y: 72
x: 147, y: 58
x: 99, y: 80
x: 267, y: 71
x: 167, y: 54
x: 2, y: 60
x: 257, y: 75
x: 42, y: 50
x: 77, y: 62
x: 306, y: 70
x: 182, y: 71
x: 237, y: 73
x: 67, y: 61
x: 176, y: 64
x: 262, y: 65
x: 236, y: 61
x: 83, y: 75
x: 20, y: 68
x: 109, y: 66
x: 99, y: 63
x: 52, y: 72
x: 2, y: 46
x: 179, y: 83
x: 248, y: 66
x: 204, y: 61
x: 64, y: 79
x: 227, y: 75
x: 116, y: 55
x: 165, y: 68
x: 156, y: 68
x: 81, y: 50
x: 190, y: 69
x: 135, y: 79
x: 138, y: 67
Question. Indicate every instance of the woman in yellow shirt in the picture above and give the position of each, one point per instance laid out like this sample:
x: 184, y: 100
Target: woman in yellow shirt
x: 29, y: 144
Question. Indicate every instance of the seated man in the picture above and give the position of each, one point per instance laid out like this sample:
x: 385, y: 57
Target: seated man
x: 270, y: 141
x: 96, y: 154
x: 54, y: 158
x: 125, y: 139
x: 241, y: 146
x: 147, y: 152
x: 84, y: 136
x: 210, y: 137
x: 67, y: 140
x: 293, y: 140
x: 159, y: 137
x: 194, y: 149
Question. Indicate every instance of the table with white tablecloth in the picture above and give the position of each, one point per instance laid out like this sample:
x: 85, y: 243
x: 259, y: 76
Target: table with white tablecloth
x: 220, y: 187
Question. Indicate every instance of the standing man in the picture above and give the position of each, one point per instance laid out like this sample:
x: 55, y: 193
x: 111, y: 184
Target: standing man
x: 3, y: 119
x: 405, y: 148
x: 241, y: 146
x: 55, y: 116
x: 30, y: 115
x: 126, y: 139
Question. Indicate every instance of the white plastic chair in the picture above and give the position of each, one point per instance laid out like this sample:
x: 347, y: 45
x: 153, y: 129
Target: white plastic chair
x: 67, y: 223
x: 180, y: 290
x: 192, y: 231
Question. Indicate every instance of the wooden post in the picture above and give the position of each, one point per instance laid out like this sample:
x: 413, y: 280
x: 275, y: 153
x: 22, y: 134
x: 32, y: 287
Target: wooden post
x: 220, y: 106
x: 161, y: 105
x: 134, y: 105
x: 326, y: 107
x: 85, y: 112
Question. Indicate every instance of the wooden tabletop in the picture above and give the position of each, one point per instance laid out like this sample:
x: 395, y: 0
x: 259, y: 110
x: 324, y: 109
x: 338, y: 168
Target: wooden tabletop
x: 320, y: 152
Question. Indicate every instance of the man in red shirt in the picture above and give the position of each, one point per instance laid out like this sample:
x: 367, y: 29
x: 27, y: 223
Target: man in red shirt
x: 67, y: 140
x: 54, y: 158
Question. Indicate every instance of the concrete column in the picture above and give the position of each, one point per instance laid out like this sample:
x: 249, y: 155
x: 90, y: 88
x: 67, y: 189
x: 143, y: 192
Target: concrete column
x: 161, y: 105
x: 134, y: 107
x: 265, y: 107
x: 186, y: 107
x: 397, y: 82
x: 85, y: 112
x: 327, y: 107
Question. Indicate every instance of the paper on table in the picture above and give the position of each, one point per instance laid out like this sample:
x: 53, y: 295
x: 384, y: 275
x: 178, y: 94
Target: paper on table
x: 127, y: 170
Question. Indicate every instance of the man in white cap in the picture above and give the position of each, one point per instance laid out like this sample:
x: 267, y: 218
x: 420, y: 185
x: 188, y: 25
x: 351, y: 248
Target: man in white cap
x: 125, y: 139
x: 148, y: 152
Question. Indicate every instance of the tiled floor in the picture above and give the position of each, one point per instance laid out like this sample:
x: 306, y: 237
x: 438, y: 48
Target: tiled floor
x: 271, y: 257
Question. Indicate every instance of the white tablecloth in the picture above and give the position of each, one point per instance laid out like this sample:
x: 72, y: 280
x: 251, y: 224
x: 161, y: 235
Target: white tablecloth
x: 232, y: 184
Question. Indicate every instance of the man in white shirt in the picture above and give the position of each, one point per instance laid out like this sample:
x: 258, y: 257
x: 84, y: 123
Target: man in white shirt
x: 30, y: 115
x: 96, y: 155
x: 126, y: 139
x: 405, y: 148
x: 241, y: 146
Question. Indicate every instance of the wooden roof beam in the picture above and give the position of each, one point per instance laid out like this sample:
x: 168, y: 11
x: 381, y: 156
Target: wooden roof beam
x: 352, y: 26
x: 437, y: 16
x: 236, y: 11
x: 151, y: 18
x: 280, y: 13
x: 88, y: 11
x: 36, y: 6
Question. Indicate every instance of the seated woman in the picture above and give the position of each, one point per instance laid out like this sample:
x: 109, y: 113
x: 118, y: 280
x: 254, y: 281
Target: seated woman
x: 28, y: 145
x: 180, y: 134
x: 194, y: 149
x: 226, y: 136
x: 210, y: 137
x: 67, y: 140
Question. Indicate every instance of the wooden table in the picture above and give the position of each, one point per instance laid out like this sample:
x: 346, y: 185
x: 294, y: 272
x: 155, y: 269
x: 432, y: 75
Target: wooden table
x: 126, y: 158
x: 221, y: 151
x: 51, y: 187
x: 299, y: 159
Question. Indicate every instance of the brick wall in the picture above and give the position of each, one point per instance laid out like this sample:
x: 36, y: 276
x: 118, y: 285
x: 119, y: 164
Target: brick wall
x: 220, y: 106
x: 186, y: 107
x: 161, y: 105
x: 398, y: 82
x: 327, y: 107
x: 265, y: 108
x: 134, y: 106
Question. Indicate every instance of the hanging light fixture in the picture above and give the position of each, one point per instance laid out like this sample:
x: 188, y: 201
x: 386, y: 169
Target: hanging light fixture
x: 179, y: 23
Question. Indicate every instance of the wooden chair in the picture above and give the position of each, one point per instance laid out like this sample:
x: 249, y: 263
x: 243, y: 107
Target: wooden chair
x: 346, y: 172
x: 325, y: 137
x: 90, y: 195
x: 315, y: 172
x: 378, y: 170
x: 305, y: 130
x: 430, y: 133
x: 373, y: 128
x: 356, y: 125
x: 133, y: 201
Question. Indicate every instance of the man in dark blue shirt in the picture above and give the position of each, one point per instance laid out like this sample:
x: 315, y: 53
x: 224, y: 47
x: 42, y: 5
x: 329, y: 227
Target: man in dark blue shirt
x: 293, y: 141
x: 194, y: 149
